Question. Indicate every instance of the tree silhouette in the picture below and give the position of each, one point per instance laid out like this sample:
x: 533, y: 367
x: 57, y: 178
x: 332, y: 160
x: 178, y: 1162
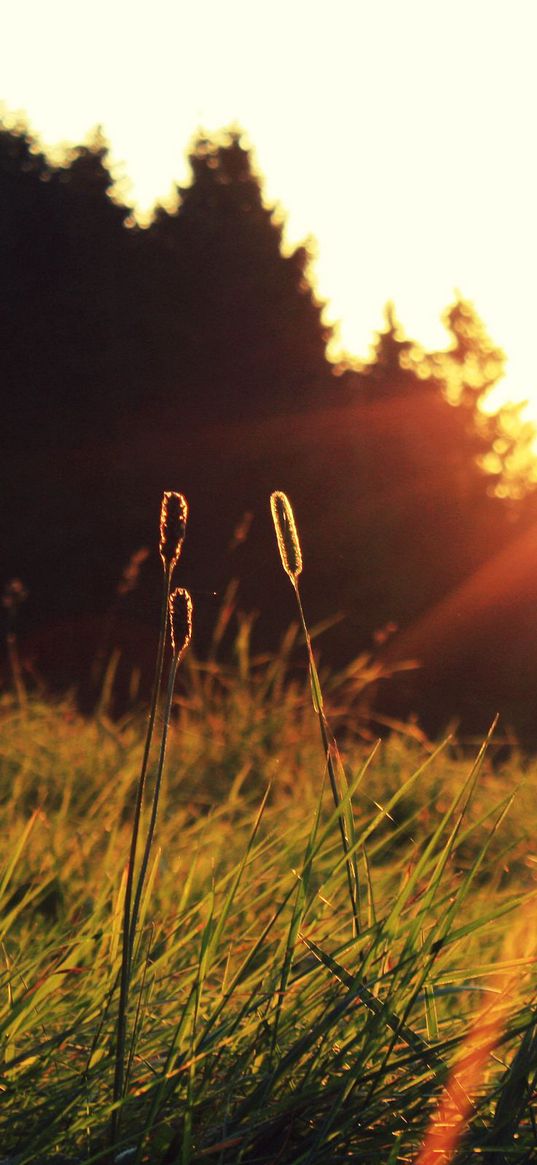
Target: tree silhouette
x: 67, y: 280
x: 501, y: 441
x: 424, y: 479
x: 491, y: 450
x: 388, y: 372
x: 27, y: 257
x: 92, y: 304
x: 197, y: 345
x: 238, y: 321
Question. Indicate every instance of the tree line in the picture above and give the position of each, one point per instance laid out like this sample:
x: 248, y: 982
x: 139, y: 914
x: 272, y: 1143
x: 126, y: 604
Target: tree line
x: 191, y: 353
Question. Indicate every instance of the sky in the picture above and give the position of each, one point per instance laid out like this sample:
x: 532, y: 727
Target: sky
x: 397, y: 135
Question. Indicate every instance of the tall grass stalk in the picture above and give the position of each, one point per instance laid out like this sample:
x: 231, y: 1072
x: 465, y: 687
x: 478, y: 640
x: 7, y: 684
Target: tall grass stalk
x: 180, y: 610
x: 173, y: 517
x: 291, y: 556
x: 14, y: 595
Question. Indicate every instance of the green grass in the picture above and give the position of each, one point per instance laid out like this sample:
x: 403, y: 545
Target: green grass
x: 261, y: 1028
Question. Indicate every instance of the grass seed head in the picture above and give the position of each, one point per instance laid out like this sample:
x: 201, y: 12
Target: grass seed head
x: 180, y: 621
x: 173, y: 516
x: 286, y: 533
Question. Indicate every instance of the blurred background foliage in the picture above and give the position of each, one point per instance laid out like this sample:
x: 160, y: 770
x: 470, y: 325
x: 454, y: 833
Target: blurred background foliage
x: 191, y: 353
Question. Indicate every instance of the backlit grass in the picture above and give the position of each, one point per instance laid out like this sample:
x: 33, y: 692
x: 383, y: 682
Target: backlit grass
x: 280, y: 978
x: 260, y: 1027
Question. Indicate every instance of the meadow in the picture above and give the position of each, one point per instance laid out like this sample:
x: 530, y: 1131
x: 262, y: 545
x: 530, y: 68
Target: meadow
x: 330, y: 955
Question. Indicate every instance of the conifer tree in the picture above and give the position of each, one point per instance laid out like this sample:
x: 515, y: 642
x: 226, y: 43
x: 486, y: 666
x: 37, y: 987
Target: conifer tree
x: 244, y: 329
x: 388, y: 370
x: 27, y: 258
x: 499, y: 441
x: 96, y: 342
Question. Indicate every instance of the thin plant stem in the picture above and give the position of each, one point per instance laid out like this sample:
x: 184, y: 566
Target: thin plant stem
x: 154, y: 808
x: 16, y: 670
x: 350, y: 864
x: 126, y: 953
x: 138, y: 1017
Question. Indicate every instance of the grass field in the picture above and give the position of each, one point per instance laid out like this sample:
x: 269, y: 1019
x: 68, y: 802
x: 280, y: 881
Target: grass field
x: 260, y: 946
x: 260, y: 1027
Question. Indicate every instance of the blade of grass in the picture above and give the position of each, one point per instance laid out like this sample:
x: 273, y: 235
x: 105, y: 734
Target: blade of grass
x: 121, y: 1028
x: 296, y: 918
x: 426, y: 1053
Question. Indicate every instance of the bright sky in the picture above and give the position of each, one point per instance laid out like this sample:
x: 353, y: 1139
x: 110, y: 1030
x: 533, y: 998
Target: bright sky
x: 399, y: 134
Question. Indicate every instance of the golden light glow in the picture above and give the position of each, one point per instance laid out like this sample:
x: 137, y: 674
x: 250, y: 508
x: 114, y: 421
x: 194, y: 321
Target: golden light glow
x: 475, y: 1060
x: 286, y: 534
x: 173, y: 518
x: 180, y: 610
x: 396, y: 135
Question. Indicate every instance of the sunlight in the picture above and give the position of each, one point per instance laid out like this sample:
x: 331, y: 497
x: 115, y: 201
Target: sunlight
x: 404, y: 198
x: 272, y: 905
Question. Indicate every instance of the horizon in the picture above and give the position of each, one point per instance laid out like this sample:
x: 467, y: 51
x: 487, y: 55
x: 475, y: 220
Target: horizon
x: 393, y: 141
